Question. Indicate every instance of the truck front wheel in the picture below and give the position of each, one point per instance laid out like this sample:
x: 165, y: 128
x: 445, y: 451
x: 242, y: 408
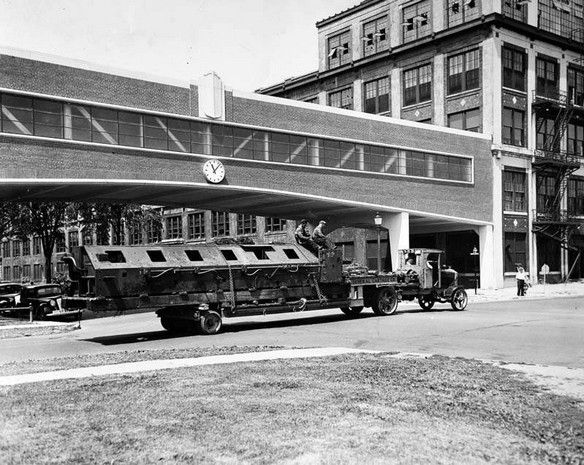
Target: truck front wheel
x: 459, y: 299
x: 385, y: 302
x: 210, y: 322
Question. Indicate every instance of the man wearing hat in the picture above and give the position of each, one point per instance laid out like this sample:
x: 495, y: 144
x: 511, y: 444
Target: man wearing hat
x: 319, y: 237
x: 302, y: 236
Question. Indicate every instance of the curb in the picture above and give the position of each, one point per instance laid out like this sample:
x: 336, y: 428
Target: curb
x: 39, y: 328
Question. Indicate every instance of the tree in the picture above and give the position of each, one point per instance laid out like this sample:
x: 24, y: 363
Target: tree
x: 41, y: 219
x: 104, y: 217
x: 8, y: 210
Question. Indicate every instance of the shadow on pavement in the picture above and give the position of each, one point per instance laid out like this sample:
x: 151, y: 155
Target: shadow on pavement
x: 228, y: 327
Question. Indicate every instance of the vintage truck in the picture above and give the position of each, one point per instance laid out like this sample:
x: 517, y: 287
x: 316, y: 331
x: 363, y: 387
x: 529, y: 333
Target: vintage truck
x: 196, y: 286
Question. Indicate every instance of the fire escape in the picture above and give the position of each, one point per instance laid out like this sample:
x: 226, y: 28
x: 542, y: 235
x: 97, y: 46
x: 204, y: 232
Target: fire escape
x: 552, y: 163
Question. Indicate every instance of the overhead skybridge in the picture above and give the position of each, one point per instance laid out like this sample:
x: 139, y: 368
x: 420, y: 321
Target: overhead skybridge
x: 72, y: 133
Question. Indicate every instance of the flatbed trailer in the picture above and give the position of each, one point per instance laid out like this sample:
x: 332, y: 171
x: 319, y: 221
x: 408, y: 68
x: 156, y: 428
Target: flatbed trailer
x: 196, y: 286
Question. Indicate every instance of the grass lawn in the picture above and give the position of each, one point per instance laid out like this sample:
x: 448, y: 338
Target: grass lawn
x: 352, y: 409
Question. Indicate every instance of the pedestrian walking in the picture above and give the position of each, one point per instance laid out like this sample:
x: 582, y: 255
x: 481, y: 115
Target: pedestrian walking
x: 521, y: 277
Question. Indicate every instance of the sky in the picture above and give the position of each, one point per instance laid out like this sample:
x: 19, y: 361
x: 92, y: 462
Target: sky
x: 249, y: 43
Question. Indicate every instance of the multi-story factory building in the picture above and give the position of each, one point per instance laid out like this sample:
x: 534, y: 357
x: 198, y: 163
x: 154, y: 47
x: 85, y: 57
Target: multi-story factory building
x: 513, y: 69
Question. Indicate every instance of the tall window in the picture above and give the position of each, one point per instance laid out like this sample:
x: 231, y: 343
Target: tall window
x: 196, y: 225
x: 460, y: 11
x: 576, y: 86
x: 576, y: 139
x: 73, y: 239
x: 36, y: 245
x: 7, y: 273
x: 37, y: 272
x: 514, y: 191
x: 220, y: 224
x: 16, y: 273
x: 576, y: 196
x: 375, y: 36
x: 377, y: 96
x: 468, y: 120
x: 416, y: 21
x: 463, y: 71
x: 418, y: 85
x: 26, y: 272
x: 174, y: 227
x: 513, y: 127
x: 546, y: 193
x: 16, y: 248
x: 515, y: 250
x: 339, y: 49
x: 26, y: 247
x: 275, y: 224
x: 514, y: 68
x: 342, y: 98
x: 546, y: 73
x: 545, y: 137
x: 246, y: 224
x: 6, y: 249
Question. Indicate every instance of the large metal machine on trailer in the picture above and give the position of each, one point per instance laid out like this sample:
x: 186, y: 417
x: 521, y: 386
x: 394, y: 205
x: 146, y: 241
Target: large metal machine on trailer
x: 196, y: 286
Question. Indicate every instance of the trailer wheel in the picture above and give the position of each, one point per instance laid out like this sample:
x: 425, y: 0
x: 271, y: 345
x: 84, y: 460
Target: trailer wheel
x: 41, y: 312
x: 352, y: 311
x: 459, y: 299
x: 426, y: 302
x: 210, y: 322
x: 386, y: 301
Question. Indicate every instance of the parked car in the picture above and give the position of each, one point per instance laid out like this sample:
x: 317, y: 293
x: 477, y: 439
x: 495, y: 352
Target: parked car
x: 9, y: 295
x: 45, y: 299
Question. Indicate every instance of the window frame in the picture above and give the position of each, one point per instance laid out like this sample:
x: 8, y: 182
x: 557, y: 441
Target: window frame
x: 513, y: 129
x: 466, y: 79
x: 514, y: 78
x: 417, y: 94
x: 377, y: 98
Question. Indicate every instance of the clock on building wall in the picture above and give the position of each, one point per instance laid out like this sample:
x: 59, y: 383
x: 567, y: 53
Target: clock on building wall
x: 214, y: 171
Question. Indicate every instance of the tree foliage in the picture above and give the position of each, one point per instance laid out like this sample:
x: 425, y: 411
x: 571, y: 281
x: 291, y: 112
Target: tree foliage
x: 42, y: 219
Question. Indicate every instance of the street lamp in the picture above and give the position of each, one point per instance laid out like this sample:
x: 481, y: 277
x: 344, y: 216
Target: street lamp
x: 378, y: 221
x: 475, y: 254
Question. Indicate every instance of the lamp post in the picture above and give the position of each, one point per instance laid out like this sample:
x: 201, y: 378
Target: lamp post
x: 378, y: 221
x: 475, y: 254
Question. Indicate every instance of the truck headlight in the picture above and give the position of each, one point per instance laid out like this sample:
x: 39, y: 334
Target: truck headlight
x: 53, y: 303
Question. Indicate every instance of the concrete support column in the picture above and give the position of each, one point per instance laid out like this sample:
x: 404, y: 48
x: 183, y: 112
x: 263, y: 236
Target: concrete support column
x: 358, y: 95
x: 396, y: 96
x: 488, y: 258
x: 439, y: 70
x: 398, y: 225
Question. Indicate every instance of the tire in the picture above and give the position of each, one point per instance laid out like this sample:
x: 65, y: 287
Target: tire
x: 210, y: 322
x: 426, y: 302
x: 385, y: 302
x: 40, y: 313
x: 459, y: 299
x: 352, y: 311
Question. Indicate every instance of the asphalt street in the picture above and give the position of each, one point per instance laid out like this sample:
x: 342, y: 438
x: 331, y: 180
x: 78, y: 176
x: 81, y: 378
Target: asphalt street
x: 547, y: 332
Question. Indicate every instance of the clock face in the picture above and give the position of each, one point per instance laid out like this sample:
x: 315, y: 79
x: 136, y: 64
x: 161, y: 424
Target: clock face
x: 214, y: 171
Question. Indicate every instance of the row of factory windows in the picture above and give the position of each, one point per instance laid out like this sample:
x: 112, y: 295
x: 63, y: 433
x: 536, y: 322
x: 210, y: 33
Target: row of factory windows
x: 561, y: 17
x: 51, y: 118
x: 463, y: 74
x: 515, y: 193
x: 150, y: 233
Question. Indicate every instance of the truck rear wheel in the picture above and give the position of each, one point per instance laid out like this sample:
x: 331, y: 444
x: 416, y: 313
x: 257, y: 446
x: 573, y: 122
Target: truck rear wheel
x: 386, y: 301
x: 352, y: 311
x: 210, y: 322
x: 459, y: 299
x: 426, y: 302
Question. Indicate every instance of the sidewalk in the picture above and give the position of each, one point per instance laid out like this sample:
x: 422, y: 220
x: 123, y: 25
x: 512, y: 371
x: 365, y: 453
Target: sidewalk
x: 537, y: 291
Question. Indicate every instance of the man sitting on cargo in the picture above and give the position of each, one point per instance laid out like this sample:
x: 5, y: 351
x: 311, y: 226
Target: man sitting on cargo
x: 319, y: 237
x: 302, y: 237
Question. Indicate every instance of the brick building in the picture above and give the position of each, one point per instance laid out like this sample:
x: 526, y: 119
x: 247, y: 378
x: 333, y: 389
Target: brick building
x: 510, y: 69
x: 74, y: 131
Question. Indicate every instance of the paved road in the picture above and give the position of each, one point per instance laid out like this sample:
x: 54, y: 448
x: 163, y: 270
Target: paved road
x: 549, y: 332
